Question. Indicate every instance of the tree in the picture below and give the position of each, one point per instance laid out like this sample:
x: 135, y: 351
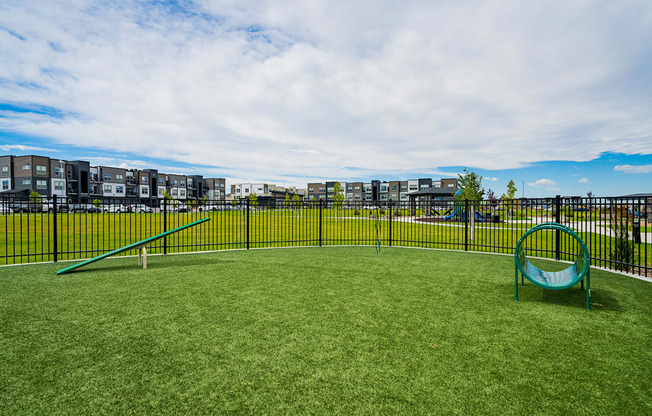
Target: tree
x: 97, y: 203
x: 493, y: 201
x: 35, y: 200
x: 191, y: 203
x: 166, y: 195
x: 509, y: 197
x: 338, y: 198
x: 205, y: 200
x: 287, y: 200
x: 253, y: 200
x: 470, y: 184
x: 296, y: 201
x: 511, y: 191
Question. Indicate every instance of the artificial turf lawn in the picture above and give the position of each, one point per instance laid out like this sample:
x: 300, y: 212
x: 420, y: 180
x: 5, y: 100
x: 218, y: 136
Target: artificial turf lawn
x: 319, y: 330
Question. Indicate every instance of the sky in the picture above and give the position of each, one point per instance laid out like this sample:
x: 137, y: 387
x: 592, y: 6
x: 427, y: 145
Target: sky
x: 554, y: 95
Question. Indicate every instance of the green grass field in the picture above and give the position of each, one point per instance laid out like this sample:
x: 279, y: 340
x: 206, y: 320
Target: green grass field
x: 333, y: 330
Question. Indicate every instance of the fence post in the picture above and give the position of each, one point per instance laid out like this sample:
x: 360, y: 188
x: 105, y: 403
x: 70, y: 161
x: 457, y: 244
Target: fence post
x: 558, y: 221
x: 54, y: 228
x: 247, y: 223
x: 390, y: 222
x: 466, y: 224
x: 321, y: 204
x: 165, y: 225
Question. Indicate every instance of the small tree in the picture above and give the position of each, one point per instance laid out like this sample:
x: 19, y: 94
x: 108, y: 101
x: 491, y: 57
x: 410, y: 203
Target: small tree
x: 509, y: 197
x: 493, y: 201
x: 287, y: 200
x: 253, y: 200
x: 296, y: 202
x: 205, y: 200
x: 35, y: 200
x: 192, y: 204
x: 166, y: 195
x: 97, y: 203
x: 470, y: 184
x: 338, y: 198
x: 622, y: 252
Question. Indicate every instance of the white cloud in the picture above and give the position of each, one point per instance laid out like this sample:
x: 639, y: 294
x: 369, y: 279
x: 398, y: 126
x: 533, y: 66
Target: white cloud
x: 493, y: 179
x: 23, y: 148
x: 313, y: 89
x: 633, y: 168
x: 543, y: 183
x: 583, y: 180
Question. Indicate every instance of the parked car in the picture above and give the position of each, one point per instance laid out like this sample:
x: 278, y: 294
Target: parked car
x: 113, y: 208
x: 180, y: 208
x: 212, y: 207
x: 140, y: 208
x: 60, y: 208
x: 20, y: 207
x: 78, y: 208
x: 92, y: 208
x: 6, y: 209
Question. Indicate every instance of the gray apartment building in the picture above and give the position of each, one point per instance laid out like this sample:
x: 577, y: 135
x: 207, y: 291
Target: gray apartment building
x: 381, y: 191
x: 215, y: 189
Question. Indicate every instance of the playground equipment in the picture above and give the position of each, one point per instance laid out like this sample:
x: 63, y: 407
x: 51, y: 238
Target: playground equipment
x: 141, y: 246
x: 577, y: 272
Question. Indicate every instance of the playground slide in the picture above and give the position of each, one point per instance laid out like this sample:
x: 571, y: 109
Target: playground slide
x: 479, y: 217
x: 450, y: 216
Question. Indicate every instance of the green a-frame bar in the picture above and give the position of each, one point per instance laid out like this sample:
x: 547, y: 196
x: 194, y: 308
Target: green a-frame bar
x: 141, y: 246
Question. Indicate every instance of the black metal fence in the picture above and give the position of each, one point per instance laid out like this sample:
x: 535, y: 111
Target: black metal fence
x: 617, y: 231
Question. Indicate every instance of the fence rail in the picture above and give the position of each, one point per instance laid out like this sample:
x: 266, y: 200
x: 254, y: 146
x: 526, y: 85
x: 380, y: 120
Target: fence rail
x: 618, y: 231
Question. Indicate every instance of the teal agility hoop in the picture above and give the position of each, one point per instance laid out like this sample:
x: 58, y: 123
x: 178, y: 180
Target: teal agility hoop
x: 576, y: 273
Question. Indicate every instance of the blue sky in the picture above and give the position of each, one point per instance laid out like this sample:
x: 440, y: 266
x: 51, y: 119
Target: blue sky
x: 554, y: 95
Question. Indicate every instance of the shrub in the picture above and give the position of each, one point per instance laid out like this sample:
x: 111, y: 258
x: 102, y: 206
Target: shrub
x: 356, y: 212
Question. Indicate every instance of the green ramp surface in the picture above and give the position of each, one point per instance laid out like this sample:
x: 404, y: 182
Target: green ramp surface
x: 133, y: 246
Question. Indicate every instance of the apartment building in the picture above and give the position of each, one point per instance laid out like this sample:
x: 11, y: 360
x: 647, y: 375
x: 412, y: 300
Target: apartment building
x: 113, y: 181
x: 215, y: 189
x: 32, y: 173
x: 6, y: 174
x: 378, y: 191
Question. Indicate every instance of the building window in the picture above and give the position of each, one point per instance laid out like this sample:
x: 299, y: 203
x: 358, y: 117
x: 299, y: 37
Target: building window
x: 357, y: 188
x: 144, y: 180
x: 108, y: 188
x: 413, y: 187
x: 58, y: 185
x: 451, y: 185
x: 58, y: 171
x: 5, y: 169
x: 424, y: 186
x: 182, y: 183
x: 119, y: 189
x: 174, y: 182
x: 311, y: 189
x: 174, y: 193
x: 5, y: 185
x: 119, y: 177
x: 322, y: 189
x: 403, y: 188
x: 161, y: 181
x: 393, y: 187
x: 41, y: 170
x: 107, y: 176
x: 182, y: 193
x: 40, y: 184
x: 27, y: 182
x: 144, y: 191
x: 350, y: 189
x: 26, y: 167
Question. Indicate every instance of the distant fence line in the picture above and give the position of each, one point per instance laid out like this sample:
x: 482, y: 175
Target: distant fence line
x: 618, y: 231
